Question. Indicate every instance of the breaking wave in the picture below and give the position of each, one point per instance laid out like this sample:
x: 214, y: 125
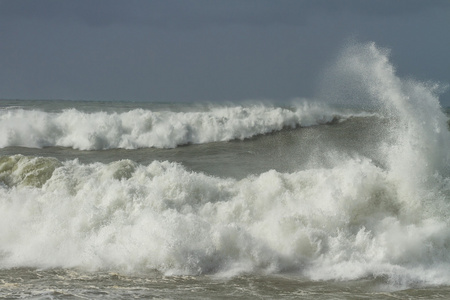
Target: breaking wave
x: 144, y: 128
x: 353, y: 220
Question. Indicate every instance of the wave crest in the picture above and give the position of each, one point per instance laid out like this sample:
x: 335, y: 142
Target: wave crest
x: 141, y: 128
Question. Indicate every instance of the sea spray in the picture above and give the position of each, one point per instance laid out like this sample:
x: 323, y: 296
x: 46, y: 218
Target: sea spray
x: 418, y: 126
x: 416, y: 143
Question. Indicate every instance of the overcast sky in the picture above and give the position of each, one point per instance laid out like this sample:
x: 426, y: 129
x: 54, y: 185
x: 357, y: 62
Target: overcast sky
x: 208, y: 50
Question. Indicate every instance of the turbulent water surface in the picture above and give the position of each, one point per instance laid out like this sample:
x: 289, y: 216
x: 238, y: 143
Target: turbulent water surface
x: 344, y: 196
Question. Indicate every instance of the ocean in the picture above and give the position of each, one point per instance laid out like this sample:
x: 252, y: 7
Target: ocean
x: 344, y: 196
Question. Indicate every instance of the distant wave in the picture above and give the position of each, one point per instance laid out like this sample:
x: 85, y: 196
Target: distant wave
x: 141, y: 128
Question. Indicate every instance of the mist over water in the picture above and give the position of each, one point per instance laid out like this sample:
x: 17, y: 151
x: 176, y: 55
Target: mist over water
x: 367, y: 197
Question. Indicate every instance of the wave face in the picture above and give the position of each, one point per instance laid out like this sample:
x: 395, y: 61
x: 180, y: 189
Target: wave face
x: 348, y: 219
x: 141, y: 128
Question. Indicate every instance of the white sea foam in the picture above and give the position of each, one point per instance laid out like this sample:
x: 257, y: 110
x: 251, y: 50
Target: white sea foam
x: 144, y: 128
x: 348, y: 222
x: 353, y: 220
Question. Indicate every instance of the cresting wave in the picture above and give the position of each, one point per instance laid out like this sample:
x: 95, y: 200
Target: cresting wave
x: 144, y: 128
x: 355, y: 219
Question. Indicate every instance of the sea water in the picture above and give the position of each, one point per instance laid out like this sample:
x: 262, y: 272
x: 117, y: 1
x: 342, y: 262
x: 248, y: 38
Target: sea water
x: 343, y: 196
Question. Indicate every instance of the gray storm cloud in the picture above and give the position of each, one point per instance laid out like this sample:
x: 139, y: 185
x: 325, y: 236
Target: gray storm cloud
x: 205, y: 50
